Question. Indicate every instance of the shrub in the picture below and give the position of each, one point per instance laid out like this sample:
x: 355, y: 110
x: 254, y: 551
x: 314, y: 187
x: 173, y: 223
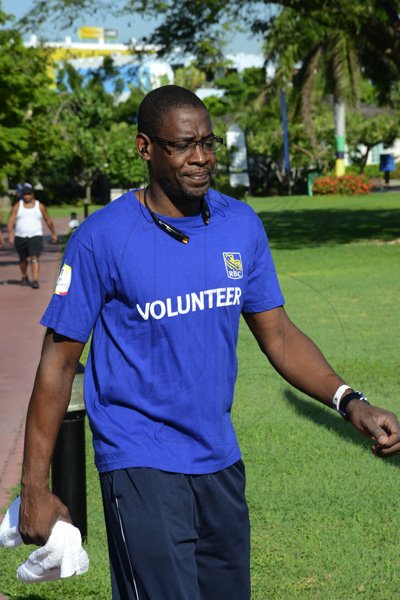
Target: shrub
x: 348, y: 185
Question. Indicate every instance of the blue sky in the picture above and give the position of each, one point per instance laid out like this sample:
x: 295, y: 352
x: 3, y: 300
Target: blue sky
x: 127, y: 27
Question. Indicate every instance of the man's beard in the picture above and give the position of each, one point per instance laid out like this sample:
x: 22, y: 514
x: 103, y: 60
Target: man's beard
x: 185, y: 194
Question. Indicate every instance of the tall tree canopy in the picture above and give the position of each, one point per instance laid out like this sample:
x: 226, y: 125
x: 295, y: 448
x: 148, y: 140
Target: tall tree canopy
x: 25, y: 103
x: 200, y: 26
x: 319, y: 48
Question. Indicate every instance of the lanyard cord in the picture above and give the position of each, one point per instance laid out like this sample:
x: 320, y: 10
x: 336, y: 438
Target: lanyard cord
x: 174, y: 232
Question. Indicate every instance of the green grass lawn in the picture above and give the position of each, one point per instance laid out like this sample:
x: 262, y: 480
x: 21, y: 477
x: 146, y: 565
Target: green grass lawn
x: 324, y: 510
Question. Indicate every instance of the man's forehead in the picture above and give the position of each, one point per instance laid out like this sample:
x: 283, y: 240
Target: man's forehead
x: 185, y: 119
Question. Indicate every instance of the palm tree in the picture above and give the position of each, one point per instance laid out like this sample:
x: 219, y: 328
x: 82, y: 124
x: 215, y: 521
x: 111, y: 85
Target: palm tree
x: 314, y: 61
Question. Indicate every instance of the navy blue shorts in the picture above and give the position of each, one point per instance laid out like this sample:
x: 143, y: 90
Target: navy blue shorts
x: 177, y: 537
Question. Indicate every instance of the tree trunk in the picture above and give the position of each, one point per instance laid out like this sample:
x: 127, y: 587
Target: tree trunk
x: 340, y: 135
x: 87, y: 200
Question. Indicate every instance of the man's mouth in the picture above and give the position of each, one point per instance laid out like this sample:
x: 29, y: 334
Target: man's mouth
x: 199, y: 177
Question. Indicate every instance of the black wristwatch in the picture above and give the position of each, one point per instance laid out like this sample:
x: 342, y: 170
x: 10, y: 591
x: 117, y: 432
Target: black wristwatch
x: 341, y: 405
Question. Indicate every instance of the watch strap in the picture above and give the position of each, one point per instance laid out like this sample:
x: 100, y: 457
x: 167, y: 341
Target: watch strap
x: 345, y: 400
x: 339, y: 393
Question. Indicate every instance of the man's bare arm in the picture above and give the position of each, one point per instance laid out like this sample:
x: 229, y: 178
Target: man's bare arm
x: 302, y: 364
x: 40, y: 509
x: 49, y: 222
x: 11, y: 223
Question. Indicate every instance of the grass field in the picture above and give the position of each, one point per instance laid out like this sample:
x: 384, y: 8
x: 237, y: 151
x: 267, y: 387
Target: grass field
x: 324, y: 510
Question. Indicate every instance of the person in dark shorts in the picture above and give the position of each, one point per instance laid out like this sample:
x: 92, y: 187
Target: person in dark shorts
x: 25, y: 231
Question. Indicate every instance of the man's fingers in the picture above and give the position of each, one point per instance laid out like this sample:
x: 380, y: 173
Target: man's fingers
x: 378, y: 424
x: 36, y: 539
x: 38, y: 514
x: 385, y: 430
x: 384, y: 450
x: 375, y: 431
x: 389, y: 423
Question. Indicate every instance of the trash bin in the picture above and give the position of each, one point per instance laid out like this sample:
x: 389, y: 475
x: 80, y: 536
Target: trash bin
x: 68, y: 469
x: 310, y: 180
x: 387, y: 165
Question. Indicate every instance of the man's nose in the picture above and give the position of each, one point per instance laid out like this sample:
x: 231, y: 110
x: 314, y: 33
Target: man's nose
x: 198, y: 154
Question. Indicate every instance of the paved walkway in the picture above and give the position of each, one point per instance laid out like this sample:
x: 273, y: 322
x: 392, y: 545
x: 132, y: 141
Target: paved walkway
x: 21, y: 338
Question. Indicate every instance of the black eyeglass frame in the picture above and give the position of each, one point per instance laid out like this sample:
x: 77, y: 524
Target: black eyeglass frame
x: 165, y: 143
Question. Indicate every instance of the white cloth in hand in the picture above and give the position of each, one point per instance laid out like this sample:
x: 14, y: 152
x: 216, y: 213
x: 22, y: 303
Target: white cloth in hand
x: 9, y: 534
x: 62, y: 556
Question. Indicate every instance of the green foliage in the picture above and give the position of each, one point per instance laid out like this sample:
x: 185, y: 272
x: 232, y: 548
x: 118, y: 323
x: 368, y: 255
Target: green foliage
x: 242, y: 90
x: 259, y: 114
x: 348, y: 185
x: 94, y: 136
x: 123, y: 165
x: 313, y: 62
x: 73, y: 133
x: 201, y: 26
x: 189, y: 77
x: 368, y: 170
x: 26, y: 104
x: 381, y: 128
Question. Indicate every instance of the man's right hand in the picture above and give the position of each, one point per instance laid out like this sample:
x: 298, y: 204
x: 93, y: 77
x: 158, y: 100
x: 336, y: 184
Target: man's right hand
x: 38, y: 513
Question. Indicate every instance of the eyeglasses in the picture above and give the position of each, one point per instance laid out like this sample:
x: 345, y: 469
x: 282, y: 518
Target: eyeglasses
x: 181, y: 147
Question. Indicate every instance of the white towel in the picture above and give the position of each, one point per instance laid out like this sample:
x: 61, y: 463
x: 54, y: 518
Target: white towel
x: 9, y: 534
x: 62, y: 556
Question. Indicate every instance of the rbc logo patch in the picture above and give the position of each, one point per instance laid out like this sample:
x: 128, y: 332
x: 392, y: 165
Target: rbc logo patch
x: 233, y: 265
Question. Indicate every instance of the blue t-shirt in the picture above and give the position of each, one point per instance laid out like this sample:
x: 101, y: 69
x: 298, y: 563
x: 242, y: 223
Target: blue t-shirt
x: 160, y: 377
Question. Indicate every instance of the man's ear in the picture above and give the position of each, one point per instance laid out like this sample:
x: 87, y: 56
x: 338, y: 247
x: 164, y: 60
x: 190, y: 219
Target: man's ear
x: 142, y: 142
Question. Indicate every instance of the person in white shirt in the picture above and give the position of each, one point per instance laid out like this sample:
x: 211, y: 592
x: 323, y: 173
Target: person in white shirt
x: 25, y: 231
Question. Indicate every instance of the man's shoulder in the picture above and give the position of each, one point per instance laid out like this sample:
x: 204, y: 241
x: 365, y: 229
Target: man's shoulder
x: 109, y: 227
x: 113, y: 216
x: 233, y: 206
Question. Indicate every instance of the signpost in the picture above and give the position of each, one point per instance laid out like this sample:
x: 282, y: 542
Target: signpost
x: 236, y: 144
x: 285, y: 135
x: 97, y: 33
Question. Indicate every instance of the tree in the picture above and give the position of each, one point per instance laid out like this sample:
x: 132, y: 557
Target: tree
x: 257, y: 111
x: 332, y: 41
x: 84, y: 115
x: 365, y: 133
x: 123, y: 165
x: 318, y: 48
x: 328, y: 63
x: 200, y: 26
x: 95, y: 136
x: 190, y: 77
x: 26, y: 102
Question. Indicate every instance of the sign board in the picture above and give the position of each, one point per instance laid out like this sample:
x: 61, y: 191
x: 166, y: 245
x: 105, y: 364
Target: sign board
x: 110, y: 33
x: 236, y: 144
x: 95, y: 33
x: 90, y: 33
x: 236, y: 179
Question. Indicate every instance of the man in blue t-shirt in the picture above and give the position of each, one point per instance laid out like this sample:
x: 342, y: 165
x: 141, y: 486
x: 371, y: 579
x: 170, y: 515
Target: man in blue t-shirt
x: 160, y: 278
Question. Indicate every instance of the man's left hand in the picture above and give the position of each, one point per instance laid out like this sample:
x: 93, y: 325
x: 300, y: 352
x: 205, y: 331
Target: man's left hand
x: 378, y: 424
